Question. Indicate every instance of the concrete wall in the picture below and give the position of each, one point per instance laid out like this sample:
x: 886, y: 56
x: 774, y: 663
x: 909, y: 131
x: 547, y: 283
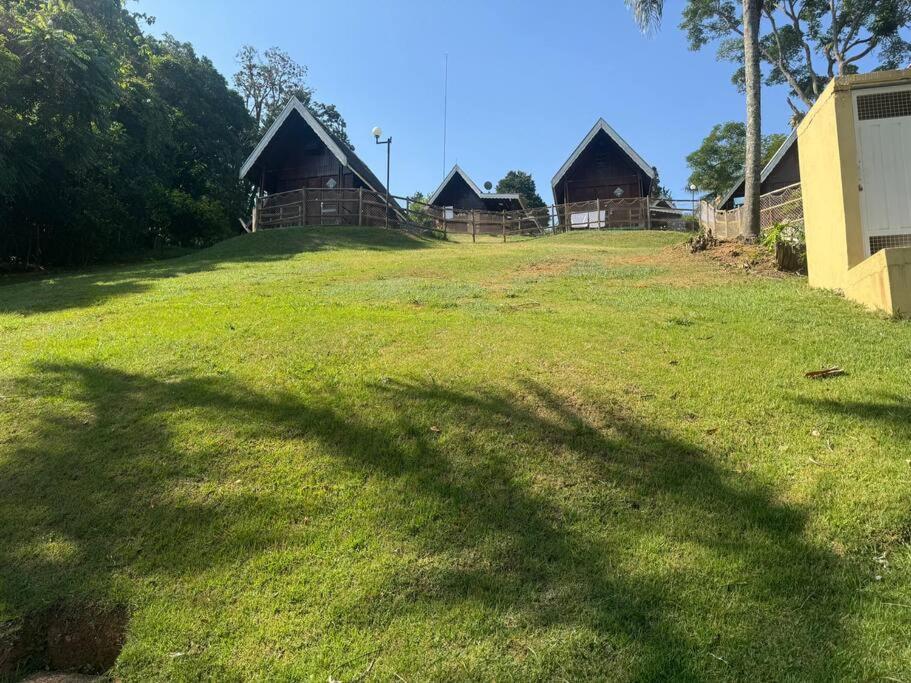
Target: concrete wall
x: 829, y: 180
x: 883, y: 281
x: 831, y: 202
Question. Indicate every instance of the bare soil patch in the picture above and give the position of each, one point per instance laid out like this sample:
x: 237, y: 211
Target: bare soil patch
x: 61, y: 642
x: 748, y: 258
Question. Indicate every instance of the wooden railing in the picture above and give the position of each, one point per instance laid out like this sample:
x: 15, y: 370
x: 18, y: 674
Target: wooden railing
x: 358, y: 206
x: 323, y: 206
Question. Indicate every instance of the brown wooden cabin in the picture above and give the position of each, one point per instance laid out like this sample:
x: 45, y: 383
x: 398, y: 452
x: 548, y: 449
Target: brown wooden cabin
x: 458, y: 196
x: 782, y: 171
x: 297, y: 152
x: 604, y: 168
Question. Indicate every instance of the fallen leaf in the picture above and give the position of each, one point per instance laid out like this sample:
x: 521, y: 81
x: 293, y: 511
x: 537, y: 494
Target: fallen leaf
x: 825, y: 373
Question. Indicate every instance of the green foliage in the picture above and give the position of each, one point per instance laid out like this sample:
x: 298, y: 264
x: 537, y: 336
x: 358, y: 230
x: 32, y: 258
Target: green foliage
x: 788, y: 242
x: 804, y: 43
x: 268, y: 80
x: 94, y: 117
x: 522, y: 183
x: 718, y: 163
x: 417, y: 210
x: 791, y: 233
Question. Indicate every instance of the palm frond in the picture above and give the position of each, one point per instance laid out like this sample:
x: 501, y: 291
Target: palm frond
x: 647, y: 14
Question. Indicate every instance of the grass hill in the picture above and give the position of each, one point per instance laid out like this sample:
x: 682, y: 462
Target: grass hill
x: 357, y: 454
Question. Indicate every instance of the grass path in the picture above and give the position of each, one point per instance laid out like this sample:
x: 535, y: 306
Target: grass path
x: 304, y: 454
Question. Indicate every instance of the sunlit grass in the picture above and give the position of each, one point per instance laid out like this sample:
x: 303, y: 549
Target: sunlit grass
x: 305, y: 454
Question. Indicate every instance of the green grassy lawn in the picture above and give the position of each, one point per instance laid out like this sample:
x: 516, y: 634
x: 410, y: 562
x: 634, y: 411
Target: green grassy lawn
x: 357, y: 454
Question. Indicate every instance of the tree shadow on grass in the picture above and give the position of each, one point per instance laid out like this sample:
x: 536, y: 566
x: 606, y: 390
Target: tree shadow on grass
x: 547, y: 513
x: 891, y: 409
x: 68, y: 290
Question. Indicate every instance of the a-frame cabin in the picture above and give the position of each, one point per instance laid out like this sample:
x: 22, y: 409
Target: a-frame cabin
x: 299, y: 153
x: 603, y: 166
x: 460, y: 193
x: 604, y: 183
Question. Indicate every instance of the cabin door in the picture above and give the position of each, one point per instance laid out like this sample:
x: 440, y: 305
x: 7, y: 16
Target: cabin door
x: 883, y: 127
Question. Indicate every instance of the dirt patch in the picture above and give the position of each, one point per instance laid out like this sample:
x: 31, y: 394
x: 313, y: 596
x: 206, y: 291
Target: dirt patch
x: 68, y: 639
x: 546, y: 268
x: 748, y: 258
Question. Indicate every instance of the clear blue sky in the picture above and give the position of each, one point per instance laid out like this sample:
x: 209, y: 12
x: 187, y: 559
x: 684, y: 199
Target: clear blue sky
x: 526, y: 80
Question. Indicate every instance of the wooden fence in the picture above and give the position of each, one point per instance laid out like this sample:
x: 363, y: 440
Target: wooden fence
x: 321, y: 206
x: 779, y: 206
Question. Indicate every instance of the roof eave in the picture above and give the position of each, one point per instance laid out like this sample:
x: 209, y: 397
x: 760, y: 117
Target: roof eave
x: 294, y: 104
x: 602, y: 125
x: 767, y: 169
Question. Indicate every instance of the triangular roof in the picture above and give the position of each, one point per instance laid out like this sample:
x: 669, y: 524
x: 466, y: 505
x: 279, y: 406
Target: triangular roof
x: 339, y: 149
x: 766, y: 171
x: 457, y: 171
x: 602, y: 126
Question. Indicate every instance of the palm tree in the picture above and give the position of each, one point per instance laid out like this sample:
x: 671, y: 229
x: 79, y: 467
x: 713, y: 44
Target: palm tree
x: 648, y: 16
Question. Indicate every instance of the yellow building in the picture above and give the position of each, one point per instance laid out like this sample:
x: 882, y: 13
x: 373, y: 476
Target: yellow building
x: 855, y: 170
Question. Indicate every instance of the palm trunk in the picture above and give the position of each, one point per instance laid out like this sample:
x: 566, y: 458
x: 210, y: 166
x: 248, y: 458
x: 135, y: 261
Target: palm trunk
x: 751, y: 9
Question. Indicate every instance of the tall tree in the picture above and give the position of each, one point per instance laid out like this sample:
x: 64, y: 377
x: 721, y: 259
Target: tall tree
x: 268, y: 80
x: 717, y: 165
x: 648, y: 15
x: 752, y: 82
x: 804, y: 43
x: 523, y: 184
x: 110, y: 140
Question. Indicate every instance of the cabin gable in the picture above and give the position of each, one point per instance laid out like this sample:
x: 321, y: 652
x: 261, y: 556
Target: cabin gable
x: 603, y: 166
x: 459, y: 191
x: 458, y: 194
x: 297, y: 158
x: 297, y: 152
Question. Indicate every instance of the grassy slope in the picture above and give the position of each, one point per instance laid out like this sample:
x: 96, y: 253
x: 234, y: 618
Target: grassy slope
x: 304, y: 454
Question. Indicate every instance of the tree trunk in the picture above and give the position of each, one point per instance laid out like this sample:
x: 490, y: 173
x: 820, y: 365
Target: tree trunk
x: 751, y: 9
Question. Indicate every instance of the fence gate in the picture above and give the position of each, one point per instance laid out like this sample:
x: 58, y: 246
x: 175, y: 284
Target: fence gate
x: 883, y: 124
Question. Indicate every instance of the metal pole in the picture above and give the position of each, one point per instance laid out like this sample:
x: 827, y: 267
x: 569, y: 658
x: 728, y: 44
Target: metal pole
x: 388, y: 160
x: 388, y: 143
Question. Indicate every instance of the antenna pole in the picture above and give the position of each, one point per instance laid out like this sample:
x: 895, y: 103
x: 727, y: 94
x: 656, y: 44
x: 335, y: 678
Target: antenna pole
x: 445, y: 106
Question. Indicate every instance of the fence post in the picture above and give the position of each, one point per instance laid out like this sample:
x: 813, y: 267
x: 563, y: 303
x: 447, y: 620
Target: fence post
x: 360, y: 206
x: 472, y: 225
x: 504, y: 226
x: 255, y: 214
x: 648, y: 214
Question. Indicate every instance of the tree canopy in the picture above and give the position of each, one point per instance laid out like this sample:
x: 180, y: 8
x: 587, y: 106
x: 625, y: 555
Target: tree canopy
x: 110, y: 140
x: 523, y: 184
x: 804, y: 43
x: 268, y: 80
x: 718, y: 163
x: 113, y: 141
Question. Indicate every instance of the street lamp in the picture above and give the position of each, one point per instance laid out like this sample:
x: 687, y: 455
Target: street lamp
x: 693, y: 189
x: 377, y: 132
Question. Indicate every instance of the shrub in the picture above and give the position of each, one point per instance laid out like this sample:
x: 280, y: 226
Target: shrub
x: 788, y: 242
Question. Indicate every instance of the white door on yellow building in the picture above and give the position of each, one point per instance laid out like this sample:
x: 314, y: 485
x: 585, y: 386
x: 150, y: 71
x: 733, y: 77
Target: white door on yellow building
x: 883, y: 124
